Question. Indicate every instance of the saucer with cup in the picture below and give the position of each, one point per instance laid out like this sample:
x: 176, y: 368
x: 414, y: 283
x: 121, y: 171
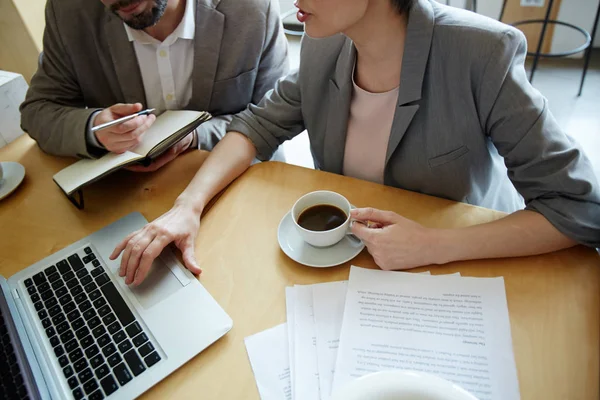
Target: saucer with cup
x: 11, y: 176
x: 316, y: 231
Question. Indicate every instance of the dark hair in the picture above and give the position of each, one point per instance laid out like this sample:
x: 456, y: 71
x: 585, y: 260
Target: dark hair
x: 402, y: 5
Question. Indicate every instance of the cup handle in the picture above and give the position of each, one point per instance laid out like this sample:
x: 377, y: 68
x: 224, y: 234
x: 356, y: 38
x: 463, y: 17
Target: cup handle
x: 353, y: 238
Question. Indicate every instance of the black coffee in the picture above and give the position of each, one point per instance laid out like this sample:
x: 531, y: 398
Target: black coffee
x: 322, y: 217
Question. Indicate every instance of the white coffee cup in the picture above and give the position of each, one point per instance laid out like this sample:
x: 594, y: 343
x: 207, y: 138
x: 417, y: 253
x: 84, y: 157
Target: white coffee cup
x: 323, y: 238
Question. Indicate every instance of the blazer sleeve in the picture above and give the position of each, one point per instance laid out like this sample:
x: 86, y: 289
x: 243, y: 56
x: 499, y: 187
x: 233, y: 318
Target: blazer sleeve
x: 54, y: 112
x: 547, y: 167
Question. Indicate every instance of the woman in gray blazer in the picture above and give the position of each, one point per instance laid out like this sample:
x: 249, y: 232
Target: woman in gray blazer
x: 463, y: 123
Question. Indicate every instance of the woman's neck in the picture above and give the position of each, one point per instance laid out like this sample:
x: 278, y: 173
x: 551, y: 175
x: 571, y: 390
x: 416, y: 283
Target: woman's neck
x: 379, y: 38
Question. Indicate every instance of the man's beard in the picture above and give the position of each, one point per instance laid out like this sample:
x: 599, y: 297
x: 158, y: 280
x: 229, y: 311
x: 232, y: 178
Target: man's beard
x: 144, y: 20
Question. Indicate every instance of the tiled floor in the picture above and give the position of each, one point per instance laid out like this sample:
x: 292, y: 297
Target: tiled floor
x: 557, y: 79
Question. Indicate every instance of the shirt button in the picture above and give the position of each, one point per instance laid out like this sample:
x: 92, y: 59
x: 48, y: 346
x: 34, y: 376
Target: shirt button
x: 162, y: 53
x: 169, y: 97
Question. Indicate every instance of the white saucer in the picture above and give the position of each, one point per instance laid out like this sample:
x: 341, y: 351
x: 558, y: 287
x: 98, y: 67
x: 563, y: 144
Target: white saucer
x: 401, y: 385
x: 298, y: 250
x: 13, y: 174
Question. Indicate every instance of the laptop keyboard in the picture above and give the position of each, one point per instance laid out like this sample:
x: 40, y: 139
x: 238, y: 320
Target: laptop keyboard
x: 95, y: 337
x: 11, y: 380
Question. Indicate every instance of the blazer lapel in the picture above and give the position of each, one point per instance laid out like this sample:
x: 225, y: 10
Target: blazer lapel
x: 419, y: 35
x: 340, y: 96
x: 124, y: 60
x: 207, y: 47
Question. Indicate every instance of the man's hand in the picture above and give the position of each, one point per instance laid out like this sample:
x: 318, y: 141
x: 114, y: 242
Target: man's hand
x: 122, y: 137
x: 167, y: 157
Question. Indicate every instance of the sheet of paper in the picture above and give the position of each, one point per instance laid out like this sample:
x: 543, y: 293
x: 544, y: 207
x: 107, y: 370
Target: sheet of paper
x: 268, y: 354
x: 290, y: 295
x: 456, y: 328
x: 306, y: 381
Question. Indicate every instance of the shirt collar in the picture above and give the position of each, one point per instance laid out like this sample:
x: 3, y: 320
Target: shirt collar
x: 185, y: 30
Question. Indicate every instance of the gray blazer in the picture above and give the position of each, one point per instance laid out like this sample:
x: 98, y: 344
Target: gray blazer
x: 468, y: 125
x: 239, y: 53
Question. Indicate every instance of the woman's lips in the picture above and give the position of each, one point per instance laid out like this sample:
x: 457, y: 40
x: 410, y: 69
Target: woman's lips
x: 302, y: 16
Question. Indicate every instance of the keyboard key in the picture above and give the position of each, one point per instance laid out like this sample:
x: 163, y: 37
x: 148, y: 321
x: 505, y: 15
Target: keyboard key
x: 89, y: 314
x: 95, y: 295
x: 108, y: 350
x: 102, y: 371
x: 31, y: 290
x: 82, y: 272
x: 85, y: 305
x: 54, y: 341
x: 51, y: 300
x: 50, y: 332
x: 114, y: 327
x: 58, y: 318
x: 140, y: 339
x: 102, y: 279
x: 96, y: 361
x: 81, y: 333
x: 73, y: 382
x: 71, y: 345
x: 80, y: 298
x: 122, y: 374
x: 119, y: 336
x: 66, y: 336
x: 146, y: 349
x: 57, y: 284
x: 46, y: 323
x: 98, y: 303
x: 35, y: 298
x: 85, y: 375
x: 86, y: 280
x: 70, y: 307
x: 59, y: 351
x: 134, y: 362
x: 114, y: 359
x: 88, y: 250
x: 96, y: 263
x: 99, y: 331
x: 68, y: 371
x: 72, y: 283
x: 78, y: 324
x: 76, y: 290
x: 124, y: 346
x: 75, y: 262
x: 78, y: 394
x: 109, y: 385
x: 103, y: 340
x: 75, y: 355
x: 94, y: 322
x: 63, y: 267
x: 109, y: 319
x: 28, y: 282
x: 62, y: 327
x: 63, y: 361
x: 92, y: 351
x: 42, y: 314
x: 65, y: 299
x: 89, y: 258
x: 68, y: 276
x: 61, y: 292
x: 39, y: 278
x: 97, y: 395
x: 50, y: 270
x: 80, y: 365
x: 133, y: 329
x: 53, y: 277
x: 117, y: 304
x: 152, y: 359
x: 104, y: 310
x: 54, y: 310
x: 43, y: 287
x: 87, y: 341
x: 90, y: 287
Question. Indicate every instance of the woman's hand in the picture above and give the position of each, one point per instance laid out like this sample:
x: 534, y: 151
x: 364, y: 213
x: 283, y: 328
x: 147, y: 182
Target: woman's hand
x: 395, y: 242
x: 179, y: 225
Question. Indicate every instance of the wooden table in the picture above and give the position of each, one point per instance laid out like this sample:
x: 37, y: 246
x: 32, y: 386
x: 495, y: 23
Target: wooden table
x: 553, y: 300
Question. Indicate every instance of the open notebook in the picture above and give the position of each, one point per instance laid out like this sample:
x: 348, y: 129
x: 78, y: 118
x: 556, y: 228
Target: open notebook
x: 169, y: 128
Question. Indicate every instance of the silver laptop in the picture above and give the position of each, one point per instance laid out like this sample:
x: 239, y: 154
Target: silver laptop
x: 71, y: 328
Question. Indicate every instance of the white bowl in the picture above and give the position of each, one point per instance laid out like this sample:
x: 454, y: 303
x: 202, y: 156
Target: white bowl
x: 401, y: 385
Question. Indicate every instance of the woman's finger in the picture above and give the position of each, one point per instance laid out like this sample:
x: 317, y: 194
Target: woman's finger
x: 150, y: 254
x: 134, y: 257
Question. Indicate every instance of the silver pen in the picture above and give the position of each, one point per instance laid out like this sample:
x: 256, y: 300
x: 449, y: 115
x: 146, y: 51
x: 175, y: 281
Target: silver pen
x: 121, y: 120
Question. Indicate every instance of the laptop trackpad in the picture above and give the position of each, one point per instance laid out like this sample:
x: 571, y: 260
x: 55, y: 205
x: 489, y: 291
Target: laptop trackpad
x: 158, y: 285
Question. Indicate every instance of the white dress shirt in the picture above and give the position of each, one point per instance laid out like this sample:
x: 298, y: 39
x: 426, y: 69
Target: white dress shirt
x: 166, y: 67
